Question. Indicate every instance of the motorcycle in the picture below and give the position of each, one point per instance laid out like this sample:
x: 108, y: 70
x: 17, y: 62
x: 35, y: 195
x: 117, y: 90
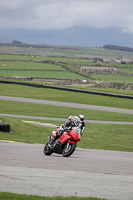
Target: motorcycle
x: 65, y: 144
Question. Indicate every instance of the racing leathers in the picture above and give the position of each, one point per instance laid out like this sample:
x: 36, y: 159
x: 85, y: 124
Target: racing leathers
x: 69, y: 123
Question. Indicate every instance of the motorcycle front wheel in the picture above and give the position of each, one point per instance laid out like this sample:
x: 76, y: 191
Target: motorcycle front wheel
x: 47, y: 150
x: 68, y: 149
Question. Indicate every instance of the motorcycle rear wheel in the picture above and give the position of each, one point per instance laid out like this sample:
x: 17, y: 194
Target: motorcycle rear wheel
x: 47, y: 150
x: 68, y: 149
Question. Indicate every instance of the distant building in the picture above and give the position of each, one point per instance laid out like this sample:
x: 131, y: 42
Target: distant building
x: 107, y: 61
x: 126, y: 61
x: 97, y: 60
x: 117, y: 61
x: 89, y: 69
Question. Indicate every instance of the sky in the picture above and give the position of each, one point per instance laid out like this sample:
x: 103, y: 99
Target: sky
x: 64, y: 14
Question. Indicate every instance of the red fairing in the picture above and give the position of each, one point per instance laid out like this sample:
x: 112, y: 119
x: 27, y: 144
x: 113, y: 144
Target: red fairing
x: 55, y: 132
x: 72, y: 142
x: 66, y: 136
x: 75, y: 135
x: 72, y: 135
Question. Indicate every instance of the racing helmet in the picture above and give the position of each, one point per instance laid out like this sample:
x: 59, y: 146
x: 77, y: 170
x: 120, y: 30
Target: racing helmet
x: 76, y: 121
x: 81, y: 117
x: 70, y: 117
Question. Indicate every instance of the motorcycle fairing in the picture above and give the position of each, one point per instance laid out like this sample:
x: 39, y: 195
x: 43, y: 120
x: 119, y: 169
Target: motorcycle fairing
x: 65, y: 137
x: 75, y: 134
x: 70, y: 141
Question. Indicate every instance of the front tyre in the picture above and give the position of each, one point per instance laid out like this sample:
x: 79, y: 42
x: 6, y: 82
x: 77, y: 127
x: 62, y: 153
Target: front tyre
x: 47, y: 150
x: 68, y: 149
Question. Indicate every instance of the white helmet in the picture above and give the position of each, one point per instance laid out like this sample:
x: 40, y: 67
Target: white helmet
x: 76, y: 121
x: 81, y: 117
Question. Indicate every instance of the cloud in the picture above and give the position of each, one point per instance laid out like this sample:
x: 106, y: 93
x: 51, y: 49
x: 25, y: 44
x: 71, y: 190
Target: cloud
x: 60, y: 14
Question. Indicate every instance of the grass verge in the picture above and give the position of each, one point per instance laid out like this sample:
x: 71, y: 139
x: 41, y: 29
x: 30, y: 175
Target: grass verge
x: 95, y: 136
x: 42, y: 110
x: 13, y: 196
x: 63, y: 96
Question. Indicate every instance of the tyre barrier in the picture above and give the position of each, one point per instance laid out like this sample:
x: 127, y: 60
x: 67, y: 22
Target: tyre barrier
x: 5, y: 127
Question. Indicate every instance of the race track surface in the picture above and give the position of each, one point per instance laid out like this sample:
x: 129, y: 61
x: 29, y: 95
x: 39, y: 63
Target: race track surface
x: 105, y: 174
x: 61, y: 119
x: 65, y: 104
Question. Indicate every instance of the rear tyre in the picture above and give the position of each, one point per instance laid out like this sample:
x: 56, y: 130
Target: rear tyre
x: 68, y: 149
x: 47, y: 150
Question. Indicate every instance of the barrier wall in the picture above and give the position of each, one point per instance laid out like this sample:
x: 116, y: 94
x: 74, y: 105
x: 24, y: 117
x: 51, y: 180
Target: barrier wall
x: 69, y: 89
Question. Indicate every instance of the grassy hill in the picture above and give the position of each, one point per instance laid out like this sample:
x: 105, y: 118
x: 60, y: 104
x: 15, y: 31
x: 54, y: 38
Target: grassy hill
x: 61, y: 51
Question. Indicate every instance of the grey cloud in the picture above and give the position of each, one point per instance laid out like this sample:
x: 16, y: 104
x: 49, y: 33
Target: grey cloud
x: 60, y: 14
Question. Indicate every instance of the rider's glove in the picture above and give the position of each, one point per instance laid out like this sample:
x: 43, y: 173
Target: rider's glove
x: 63, y: 126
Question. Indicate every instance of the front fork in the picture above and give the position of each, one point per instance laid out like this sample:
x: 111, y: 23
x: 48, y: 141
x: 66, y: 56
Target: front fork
x: 67, y: 145
x: 49, y: 138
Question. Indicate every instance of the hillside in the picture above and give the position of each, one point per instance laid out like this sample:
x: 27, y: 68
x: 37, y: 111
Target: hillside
x: 16, y: 43
x: 19, y: 48
x: 119, y: 48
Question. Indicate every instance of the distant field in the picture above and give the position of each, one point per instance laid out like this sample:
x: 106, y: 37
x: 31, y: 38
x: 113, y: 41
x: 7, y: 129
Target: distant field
x: 114, y: 78
x: 33, y: 69
x: 73, y: 63
x: 28, y: 66
x: 41, y: 74
x: 79, y: 52
x: 40, y: 58
x: 125, y: 69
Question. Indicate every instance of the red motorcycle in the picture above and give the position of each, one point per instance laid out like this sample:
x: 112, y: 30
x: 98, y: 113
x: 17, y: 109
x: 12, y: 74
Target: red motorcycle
x: 65, y: 144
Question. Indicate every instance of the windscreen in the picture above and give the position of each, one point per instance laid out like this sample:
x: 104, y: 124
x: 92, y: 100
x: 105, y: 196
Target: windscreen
x: 77, y: 130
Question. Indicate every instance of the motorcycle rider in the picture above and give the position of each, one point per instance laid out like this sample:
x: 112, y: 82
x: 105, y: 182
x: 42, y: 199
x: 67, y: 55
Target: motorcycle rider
x: 71, y: 122
x: 82, y: 123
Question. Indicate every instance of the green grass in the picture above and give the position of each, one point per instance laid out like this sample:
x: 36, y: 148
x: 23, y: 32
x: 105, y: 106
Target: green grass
x: 25, y: 132
x: 28, y: 65
x: 106, y: 90
x: 125, y: 69
x: 41, y: 74
x: 63, y: 96
x: 95, y: 136
x: 72, y: 61
x: 20, y: 108
x: 13, y: 196
x: 108, y: 137
x: 75, y: 62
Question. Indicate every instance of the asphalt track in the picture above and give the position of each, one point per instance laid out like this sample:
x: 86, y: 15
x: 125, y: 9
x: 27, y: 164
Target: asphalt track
x: 65, y: 104
x: 25, y: 169
x: 104, y: 174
